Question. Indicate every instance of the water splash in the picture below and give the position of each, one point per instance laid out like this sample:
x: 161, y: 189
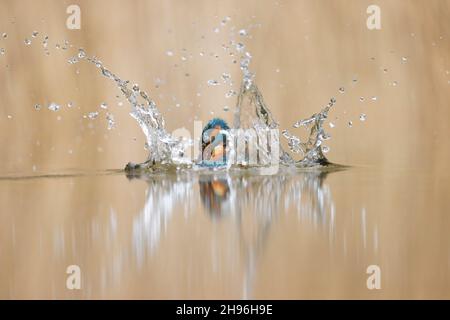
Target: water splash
x: 311, y: 149
x: 163, y: 148
x: 251, y: 112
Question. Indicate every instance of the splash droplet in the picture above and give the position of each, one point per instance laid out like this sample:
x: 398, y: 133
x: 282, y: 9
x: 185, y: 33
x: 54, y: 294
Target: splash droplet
x: 35, y: 34
x: 81, y: 53
x: 27, y: 42
x: 325, y: 149
x: 111, y: 122
x: 332, y: 125
x: 240, y: 47
x: 4, y: 35
x: 37, y: 107
x: 341, y: 90
x: 226, y: 108
x: 230, y: 93
x: 361, y: 99
x: 93, y: 115
x: 54, y: 107
x: 2, y: 51
x: 404, y: 59
x: 104, y: 105
x: 213, y: 83
x: 350, y: 124
x: 362, y: 117
x: 243, y: 32
x: 169, y: 53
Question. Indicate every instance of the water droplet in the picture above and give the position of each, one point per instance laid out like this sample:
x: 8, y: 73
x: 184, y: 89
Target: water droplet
x: 226, y: 108
x: 394, y: 83
x: 341, y: 90
x: 136, y: 87
x: 45, y: 42
x: 81, y: 53
x: 277, y: 70
x: 93, y: 115
x: 243, y: 32
x: 216, y: 30
x: 4, y: 35
x: 332, y: 125
x: 2, y: 51
x: 37, y: 107
x: 230, y: 93
x: 325, y: 149
x: 361, y: 99
x: 225, y: 20
x: 374, y: 98
x: 362, y: 117
x: 53, y: 107
x: 72, y: 60
x: 213, y: 83
x: 385, y: 70
x: 70, y: 104
x: 27, y: 41
x: 350, y: 124
x: 35, y: 34
x: 9, y: 116
x: 169, y: 53
x: 240, y: 47
x: 111, y: 122
x: 404, y: 59
x: 104, y: 105
x: 226, y: 77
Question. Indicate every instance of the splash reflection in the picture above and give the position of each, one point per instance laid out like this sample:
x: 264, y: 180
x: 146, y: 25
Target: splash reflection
x: 251, y: 203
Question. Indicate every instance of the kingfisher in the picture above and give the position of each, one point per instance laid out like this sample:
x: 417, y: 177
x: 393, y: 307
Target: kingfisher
x: 214, y: 142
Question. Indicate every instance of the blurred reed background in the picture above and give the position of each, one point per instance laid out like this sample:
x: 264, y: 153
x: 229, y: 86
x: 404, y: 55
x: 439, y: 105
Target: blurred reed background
x: 303, y: 51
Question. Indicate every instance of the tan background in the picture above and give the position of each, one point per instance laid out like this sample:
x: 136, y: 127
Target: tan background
x: 395, y: 218
x: 318, y: 46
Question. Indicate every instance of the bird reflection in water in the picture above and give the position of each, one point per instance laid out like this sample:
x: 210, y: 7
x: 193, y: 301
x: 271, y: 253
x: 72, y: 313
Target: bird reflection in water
x: 253, y: 203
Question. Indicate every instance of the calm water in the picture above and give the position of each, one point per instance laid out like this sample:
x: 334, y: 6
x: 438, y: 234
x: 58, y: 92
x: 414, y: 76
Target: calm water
x: 304, y: 235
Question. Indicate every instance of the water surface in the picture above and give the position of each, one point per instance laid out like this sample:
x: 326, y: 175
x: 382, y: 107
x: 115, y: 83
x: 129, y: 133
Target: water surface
x: 302, y: 235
